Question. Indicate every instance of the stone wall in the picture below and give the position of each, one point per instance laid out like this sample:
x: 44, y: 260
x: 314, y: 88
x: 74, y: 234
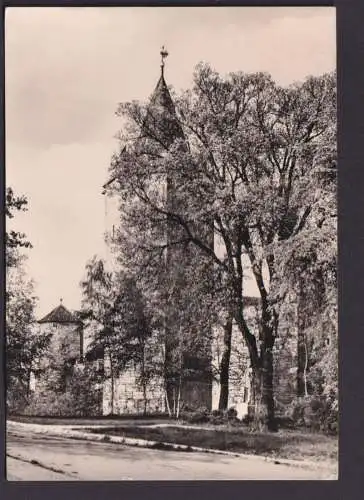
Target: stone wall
x: 124, y: 395
x: 128, y: 395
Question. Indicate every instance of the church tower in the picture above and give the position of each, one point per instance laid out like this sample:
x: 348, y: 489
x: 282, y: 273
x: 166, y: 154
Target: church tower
x: 187, y: 329
x: 187, y: 368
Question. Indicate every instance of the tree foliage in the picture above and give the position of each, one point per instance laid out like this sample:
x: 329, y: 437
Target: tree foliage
x: 81, y: 399
x: 247, y: 163
x: 24, y: 342
x: 14, y: 239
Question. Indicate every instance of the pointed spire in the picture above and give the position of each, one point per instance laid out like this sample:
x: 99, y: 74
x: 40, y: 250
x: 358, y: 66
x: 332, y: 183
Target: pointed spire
x: 161, y: 116
x: 161, y: 96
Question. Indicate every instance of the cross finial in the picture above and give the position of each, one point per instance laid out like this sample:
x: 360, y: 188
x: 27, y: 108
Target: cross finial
x: 61, y: 300
x: 164, y: 54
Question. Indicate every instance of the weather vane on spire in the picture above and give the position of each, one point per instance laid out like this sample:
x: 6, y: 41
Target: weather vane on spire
x: 164, y: 54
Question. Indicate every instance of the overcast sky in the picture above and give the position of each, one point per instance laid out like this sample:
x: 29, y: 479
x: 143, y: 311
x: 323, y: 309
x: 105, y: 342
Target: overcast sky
x: 66, y: 70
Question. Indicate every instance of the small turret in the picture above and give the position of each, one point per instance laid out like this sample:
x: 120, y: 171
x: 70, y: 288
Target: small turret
x: 67, y: 331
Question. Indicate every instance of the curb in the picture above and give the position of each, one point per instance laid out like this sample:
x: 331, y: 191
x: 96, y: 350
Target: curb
x: 75, y: 432
x: 40, y: 464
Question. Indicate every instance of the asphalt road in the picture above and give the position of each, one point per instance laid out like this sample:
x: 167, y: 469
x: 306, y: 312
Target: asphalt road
x: 35, y: 457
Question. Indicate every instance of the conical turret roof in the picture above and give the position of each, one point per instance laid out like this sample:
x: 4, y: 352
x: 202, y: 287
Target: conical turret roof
x: 60, y: 315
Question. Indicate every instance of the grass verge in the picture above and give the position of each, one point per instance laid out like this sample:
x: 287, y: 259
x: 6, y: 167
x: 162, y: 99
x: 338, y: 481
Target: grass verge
x: 107, y: 421
x: 284, y: 444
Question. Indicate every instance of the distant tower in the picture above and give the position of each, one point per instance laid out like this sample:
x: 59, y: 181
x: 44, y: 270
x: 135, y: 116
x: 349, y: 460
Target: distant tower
x: 67, y: 333
x: 57, y: 365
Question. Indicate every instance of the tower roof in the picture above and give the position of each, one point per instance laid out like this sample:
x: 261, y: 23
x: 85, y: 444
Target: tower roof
x: 161, y: 96
x: 161, y: 121
x: 60, y: 315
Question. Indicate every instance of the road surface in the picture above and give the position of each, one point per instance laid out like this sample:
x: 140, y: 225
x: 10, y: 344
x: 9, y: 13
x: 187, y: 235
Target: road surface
x: 36, y: 457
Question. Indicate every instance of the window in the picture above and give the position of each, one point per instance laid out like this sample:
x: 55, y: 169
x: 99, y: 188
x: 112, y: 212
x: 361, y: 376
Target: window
x: 246, y: 395
x: 100, y: 366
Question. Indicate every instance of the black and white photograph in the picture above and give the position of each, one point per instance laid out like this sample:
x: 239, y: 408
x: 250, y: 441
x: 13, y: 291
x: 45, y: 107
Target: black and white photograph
x: 171, y: 243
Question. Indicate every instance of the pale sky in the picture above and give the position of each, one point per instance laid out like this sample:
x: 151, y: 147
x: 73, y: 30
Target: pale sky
x: 67, y: 68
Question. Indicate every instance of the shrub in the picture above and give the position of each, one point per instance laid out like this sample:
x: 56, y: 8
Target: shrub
x: 16, y: 401
x: 195, y: 416
x: 247, y: 419
x: 214, y: 417
x: 49, y: 404
x: 220, y: 417
x: 217, y: 413
x: 231, y: 414
x: 285, y: 422
x: 217, y: 417
x: 318, y: 413
x: 81, y: 399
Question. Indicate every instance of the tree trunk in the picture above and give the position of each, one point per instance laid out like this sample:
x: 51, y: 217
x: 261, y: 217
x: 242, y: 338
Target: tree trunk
x: 167, y: 403
x: 171, y: 371
x: 262, y: 397
x: 261, y: 406
x: 144, y: 398
x: 225, y: 365
x: 174, y: 401
x: 265, y: 414
x: 112, y: 385
x: 178, y: 399
x: 267, y: 388
x: 29, y: 374
x: 112, y: 394
x: 305, y: 370
x: 301, y: 341
x: 144, y: 379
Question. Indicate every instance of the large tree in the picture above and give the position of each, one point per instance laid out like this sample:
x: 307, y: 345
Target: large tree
x: 307, y: 264
x: 24, y: 342
x: 253, y: 149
